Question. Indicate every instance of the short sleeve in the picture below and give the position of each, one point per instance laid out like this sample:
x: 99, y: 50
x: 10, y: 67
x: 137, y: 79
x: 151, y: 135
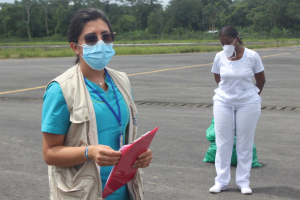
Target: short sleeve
x: 216, y: 65
x: 55, y: 114
x: 258, y: 65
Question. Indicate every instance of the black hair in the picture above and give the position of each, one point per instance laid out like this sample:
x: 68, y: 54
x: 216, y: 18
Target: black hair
x: 80, y: 19
x: 230, y: 31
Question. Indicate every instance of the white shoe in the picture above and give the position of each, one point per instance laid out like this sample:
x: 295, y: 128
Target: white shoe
x: 245, y: 190
x: 217, y: 189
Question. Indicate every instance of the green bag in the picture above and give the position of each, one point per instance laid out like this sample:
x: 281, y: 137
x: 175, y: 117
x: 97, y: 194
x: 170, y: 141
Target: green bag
x: 210, y: 132
x: 211, y: 152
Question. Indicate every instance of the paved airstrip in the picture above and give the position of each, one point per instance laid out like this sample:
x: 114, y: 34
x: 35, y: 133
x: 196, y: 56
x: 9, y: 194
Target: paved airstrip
x: 174, y: 92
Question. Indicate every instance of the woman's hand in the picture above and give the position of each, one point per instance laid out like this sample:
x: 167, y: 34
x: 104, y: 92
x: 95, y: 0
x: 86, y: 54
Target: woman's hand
x: 260, y: 80
x: 104, y: 155
x: 143, y: 160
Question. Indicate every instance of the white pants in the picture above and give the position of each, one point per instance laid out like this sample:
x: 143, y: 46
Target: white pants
x: 231, y: 120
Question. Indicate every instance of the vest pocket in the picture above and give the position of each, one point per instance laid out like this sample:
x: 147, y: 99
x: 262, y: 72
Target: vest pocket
x: 75, y: 194
x: 80, y: 188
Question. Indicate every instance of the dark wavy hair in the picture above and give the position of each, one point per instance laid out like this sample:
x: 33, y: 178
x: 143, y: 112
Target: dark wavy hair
x: 230, y: 31
x: 80, y: 19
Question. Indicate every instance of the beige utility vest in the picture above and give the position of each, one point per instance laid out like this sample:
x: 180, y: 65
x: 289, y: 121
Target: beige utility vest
x: 85, y: 183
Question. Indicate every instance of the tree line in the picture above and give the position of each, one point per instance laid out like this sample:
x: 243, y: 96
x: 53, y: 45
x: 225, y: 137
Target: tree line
x: 51, y: 18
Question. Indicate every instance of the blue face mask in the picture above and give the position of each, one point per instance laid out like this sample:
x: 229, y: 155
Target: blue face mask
x: 98, y: 55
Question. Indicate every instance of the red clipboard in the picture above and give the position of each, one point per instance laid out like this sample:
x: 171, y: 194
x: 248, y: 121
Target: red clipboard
x: 123, y: 172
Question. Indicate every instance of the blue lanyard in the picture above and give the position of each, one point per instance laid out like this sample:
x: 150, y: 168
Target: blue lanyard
x: 118, y: 117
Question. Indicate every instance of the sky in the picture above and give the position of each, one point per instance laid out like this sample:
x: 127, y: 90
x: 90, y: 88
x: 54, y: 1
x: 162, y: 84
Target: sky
x: 164, y: 2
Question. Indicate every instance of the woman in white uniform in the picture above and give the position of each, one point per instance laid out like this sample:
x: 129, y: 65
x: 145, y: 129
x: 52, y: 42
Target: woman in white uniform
x: 237, y: 108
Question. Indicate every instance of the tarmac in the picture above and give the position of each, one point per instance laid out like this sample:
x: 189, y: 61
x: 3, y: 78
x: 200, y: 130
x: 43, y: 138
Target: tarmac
x: 173, y: 92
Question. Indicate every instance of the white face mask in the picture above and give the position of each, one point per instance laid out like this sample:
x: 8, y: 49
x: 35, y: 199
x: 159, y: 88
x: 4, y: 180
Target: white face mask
x: 230, y: 50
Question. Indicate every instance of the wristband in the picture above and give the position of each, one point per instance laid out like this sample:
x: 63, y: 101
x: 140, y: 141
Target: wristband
x: 86, y: 154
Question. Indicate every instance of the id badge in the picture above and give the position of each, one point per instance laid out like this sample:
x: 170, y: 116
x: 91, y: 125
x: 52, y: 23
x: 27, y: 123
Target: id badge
x: 121, y: 140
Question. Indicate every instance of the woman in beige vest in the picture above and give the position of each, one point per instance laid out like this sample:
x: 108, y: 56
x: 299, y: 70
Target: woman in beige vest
x: 88, y: 114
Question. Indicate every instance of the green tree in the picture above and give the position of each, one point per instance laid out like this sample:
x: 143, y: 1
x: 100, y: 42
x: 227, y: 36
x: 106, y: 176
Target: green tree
x: 4, y: 19
x: 63, y: 17
x: 141, y: 9
x: 155, y: 21
x: 126, y: 23
x: 185, y: 14
x: 274, y: 11
x: 294, y: 11
x: 260, y: 17
x: 237, y: 15
x: 44, y: 5
x: 29, y: 6
x: 29, y: 19
x: 212, y: 11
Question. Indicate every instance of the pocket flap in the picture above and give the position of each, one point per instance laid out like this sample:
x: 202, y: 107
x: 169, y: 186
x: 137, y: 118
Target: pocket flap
x: 80, y: 115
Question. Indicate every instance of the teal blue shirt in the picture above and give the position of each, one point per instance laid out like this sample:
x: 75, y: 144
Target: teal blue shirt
x: 56, y: 120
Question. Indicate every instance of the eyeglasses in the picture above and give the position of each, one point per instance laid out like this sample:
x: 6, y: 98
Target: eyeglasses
x: 91, y: 38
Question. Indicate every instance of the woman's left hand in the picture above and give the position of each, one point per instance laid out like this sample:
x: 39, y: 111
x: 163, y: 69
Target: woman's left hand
x: 143, y: 160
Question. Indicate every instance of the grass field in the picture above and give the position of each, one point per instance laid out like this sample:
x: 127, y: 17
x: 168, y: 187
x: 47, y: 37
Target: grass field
x: 6, y: 53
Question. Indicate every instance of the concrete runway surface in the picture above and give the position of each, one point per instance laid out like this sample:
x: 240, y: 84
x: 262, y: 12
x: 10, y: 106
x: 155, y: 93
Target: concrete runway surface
x: 174, y: 92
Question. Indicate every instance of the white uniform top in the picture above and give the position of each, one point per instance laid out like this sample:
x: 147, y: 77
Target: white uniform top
x: 236, y: 86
